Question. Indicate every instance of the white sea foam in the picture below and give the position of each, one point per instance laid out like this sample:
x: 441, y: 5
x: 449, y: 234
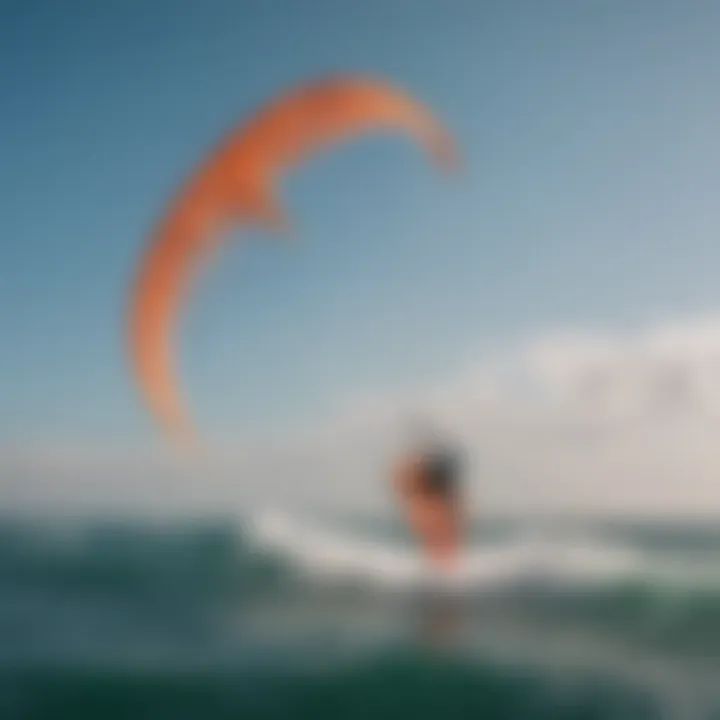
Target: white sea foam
x: 323, y: 552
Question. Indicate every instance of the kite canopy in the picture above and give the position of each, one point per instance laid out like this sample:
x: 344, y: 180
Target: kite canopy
x: 236, y: 185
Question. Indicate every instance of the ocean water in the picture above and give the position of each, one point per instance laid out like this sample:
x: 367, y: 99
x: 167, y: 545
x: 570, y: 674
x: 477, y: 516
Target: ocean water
x: 278, y: 615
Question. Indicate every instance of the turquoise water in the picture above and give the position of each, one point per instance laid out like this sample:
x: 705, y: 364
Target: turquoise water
x: 136, y: 619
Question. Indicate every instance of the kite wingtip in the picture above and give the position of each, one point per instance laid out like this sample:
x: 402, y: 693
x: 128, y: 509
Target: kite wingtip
x: 447, y: 155
x: 183, y: 436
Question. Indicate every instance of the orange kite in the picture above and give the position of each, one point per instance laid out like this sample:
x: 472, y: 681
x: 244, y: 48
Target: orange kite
x: 236, y: 184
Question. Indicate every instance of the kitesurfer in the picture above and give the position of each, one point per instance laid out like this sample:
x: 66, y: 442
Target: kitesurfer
x: 428, y: 483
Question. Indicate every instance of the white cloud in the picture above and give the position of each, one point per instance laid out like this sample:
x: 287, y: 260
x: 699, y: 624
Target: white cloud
x: 570, y: 421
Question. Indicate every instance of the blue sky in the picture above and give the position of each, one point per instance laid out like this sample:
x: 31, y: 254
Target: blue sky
x: 589, y: 198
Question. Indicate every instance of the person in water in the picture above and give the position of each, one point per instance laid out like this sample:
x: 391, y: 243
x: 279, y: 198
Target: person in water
x: 427, y: 482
